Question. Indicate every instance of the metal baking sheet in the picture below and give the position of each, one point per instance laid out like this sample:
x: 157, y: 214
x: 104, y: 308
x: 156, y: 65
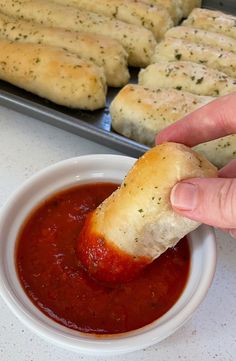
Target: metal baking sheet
x: 96, y: 125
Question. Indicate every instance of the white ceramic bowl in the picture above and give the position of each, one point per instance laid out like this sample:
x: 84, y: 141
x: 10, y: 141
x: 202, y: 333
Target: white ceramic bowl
x: 88, y: 169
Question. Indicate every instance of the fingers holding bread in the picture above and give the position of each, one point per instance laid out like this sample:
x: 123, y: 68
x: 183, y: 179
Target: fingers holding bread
x: 137, y: 222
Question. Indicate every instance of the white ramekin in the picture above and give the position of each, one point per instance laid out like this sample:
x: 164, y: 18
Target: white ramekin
x: 88, y: 169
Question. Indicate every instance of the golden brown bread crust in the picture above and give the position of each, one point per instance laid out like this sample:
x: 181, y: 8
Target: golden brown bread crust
x: 101, y: 50
x: 138, y: 218
x: 140, y: 113
x: 154, y: 18
x: 54, y: 74
x: 138, y: 41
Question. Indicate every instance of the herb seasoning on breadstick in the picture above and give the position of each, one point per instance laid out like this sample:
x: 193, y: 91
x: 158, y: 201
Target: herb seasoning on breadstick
x: 137, y: 41
x: 154, y: 18
x: 102, y: 50
x: 54, y: 74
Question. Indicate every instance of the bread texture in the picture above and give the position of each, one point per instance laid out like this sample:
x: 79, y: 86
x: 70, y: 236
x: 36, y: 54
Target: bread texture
x: 140, y: 113
x: 189, y: 5
x: 212, y: 20
x: 54, y: 74
x: 178, y: 9
x: 154, y: 18
x: 102, y: 50
x: 202, y: 37
x: 138, y: 219
x: 187, y: 76
x: 181, y: 50
x: 137, y: 41
x: 219, y: 151
x: 174, y: 7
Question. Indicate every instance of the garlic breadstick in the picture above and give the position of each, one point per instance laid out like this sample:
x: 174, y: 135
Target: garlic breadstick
x: 178, y: 49
x: 137, y: 223
x: 101, y: 50
x: 174, y: 7
x: 212, y: 20
x: 178, y: 9
x: 202, y: 37
x: 138, y: 41
x: 54, y: 74
x: 154, y: 18
x: 187, y: 76
x: 139, y: 113
x: 219, y: 151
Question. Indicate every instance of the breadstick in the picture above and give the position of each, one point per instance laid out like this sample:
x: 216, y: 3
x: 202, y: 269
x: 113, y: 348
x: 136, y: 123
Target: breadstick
x: 140, y: 113
x: 54, y: 74
x: 177, y: 49
x: 154, y: 18
x: 202, y: 37
x: 174, y: 7
x: 212, y: 20
x: 138, y: 41
x: 177, y: 9
x: 101, y: 50
x: 219, y: 151
x: 137, y: 223
x: 191, y: 77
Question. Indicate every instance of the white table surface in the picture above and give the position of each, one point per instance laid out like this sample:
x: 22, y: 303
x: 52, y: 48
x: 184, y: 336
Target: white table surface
x: 26, y: 146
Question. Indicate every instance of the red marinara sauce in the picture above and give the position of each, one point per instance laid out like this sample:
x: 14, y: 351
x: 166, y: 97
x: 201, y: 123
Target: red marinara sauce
x: 53, y: 278
x: 106, y: 262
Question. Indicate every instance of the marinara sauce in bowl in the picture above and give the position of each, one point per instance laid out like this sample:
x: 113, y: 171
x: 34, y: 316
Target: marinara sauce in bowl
x: 45, y: 285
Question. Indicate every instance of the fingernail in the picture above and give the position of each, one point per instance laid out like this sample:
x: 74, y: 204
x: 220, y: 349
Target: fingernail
x: 184, y: 196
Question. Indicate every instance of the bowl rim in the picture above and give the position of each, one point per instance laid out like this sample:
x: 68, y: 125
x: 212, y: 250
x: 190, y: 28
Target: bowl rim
x: 101, y: 345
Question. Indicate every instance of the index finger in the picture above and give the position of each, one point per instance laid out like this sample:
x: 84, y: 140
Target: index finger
x: 212, y: 121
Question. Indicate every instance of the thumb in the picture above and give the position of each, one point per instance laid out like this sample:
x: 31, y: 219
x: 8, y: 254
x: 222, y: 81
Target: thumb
x: 206, y: 200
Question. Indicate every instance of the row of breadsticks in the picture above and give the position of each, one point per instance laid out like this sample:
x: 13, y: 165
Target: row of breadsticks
x: 68, y: 51
x: 192, y: 65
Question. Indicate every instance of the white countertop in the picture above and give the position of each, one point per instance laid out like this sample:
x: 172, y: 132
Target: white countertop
x: 26, y: 146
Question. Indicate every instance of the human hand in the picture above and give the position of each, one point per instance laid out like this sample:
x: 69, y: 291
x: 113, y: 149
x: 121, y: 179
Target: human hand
x: 210, y: 201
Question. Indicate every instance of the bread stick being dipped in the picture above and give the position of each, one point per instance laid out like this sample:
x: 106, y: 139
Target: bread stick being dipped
x: 136, y: 224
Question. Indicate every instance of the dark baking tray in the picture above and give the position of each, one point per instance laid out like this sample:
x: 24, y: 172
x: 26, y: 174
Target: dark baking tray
x: 96, y: 125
